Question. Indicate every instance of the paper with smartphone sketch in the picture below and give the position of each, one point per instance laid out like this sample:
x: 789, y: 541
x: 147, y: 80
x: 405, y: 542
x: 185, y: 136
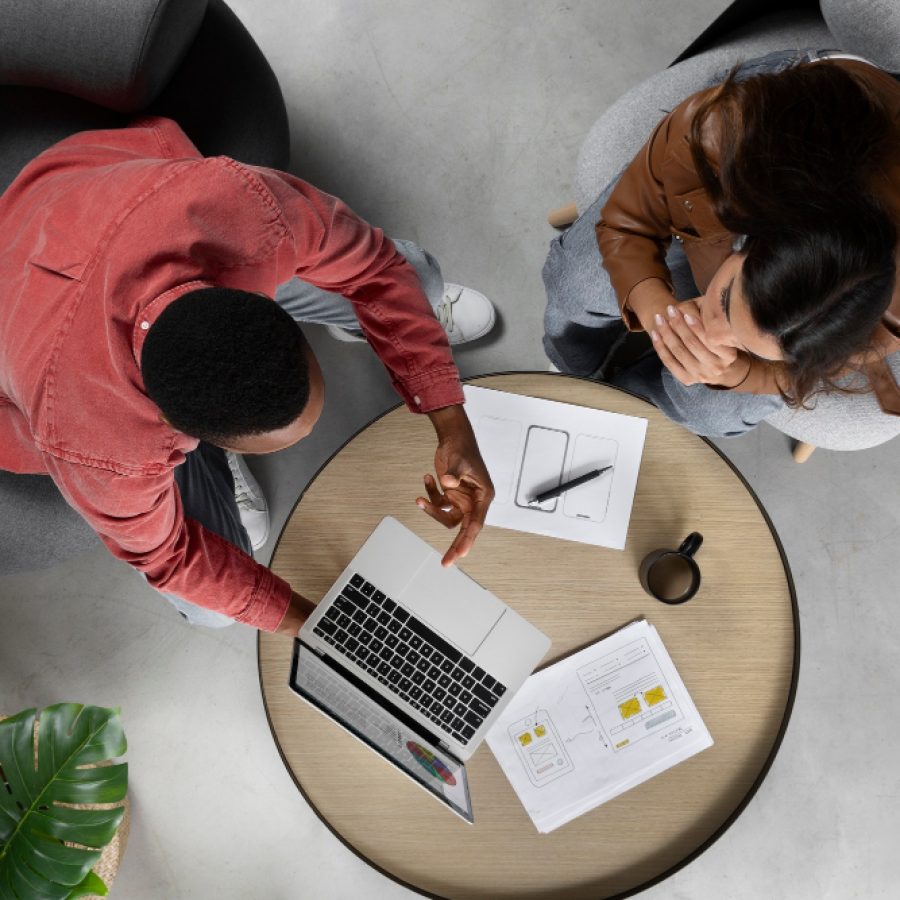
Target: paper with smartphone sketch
x: 531, y: 445
x: 595, y: 725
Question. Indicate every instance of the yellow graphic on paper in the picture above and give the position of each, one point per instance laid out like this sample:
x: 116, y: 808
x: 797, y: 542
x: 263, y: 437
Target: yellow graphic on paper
x: 540, y: 730
x: 622, y: 743
x: 655, y: 695
x: 525, y: 739
x: 630, y: 708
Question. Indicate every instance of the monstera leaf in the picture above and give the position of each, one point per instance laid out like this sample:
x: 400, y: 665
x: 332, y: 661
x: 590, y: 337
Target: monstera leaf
x: 38, y: 823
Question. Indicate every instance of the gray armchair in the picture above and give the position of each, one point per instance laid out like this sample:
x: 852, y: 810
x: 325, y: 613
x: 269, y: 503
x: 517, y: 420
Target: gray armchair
x: 74, y: 65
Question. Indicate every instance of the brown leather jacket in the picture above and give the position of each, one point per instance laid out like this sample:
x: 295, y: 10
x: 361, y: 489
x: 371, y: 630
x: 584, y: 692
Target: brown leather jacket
x: 660, y: 197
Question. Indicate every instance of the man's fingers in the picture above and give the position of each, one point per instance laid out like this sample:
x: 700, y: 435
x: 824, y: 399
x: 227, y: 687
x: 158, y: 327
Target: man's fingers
x: 463, y: 541
x: 447, y: 517
x: 470, y: 527
x: 449, y: 481
x: 434, y: 492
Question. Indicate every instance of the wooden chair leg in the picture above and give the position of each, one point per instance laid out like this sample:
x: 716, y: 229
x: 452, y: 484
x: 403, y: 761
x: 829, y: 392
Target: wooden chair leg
x: 564, y: 216
x: 802, y: 451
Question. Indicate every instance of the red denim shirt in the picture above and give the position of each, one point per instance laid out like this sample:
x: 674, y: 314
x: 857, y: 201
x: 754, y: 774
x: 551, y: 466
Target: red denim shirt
x: 100, y: 233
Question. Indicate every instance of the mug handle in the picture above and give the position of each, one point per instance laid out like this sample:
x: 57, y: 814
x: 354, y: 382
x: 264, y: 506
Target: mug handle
x: 691, y: 544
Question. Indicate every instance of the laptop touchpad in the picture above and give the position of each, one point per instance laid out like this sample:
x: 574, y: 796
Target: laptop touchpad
x: 452, y: 604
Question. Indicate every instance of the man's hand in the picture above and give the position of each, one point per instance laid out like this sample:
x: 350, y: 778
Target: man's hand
x: 463, y: 492
x: 297, y: 613
x: 685, y: 350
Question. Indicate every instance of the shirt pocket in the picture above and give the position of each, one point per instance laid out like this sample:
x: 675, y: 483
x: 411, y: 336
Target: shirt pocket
x: 684, y: 236
x: 693, y: 217
x: 59, y: 254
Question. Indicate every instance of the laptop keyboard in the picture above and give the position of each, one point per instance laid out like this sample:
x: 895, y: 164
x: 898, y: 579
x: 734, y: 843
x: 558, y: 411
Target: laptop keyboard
x: 410, y: 659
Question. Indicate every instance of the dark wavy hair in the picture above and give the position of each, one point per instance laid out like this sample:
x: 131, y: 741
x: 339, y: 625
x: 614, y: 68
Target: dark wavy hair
x: 222, y: 364
x: 798, y: 154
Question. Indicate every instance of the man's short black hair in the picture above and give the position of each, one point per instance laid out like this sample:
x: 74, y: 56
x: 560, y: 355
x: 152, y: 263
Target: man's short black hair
x: 223, y: 364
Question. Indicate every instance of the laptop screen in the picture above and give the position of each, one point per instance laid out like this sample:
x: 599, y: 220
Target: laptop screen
x: 332, y: 693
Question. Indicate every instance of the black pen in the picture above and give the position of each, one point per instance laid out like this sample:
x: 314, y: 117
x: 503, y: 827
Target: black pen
x: 553, y: 493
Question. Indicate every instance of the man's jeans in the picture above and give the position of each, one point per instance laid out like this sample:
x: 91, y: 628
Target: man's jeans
x: 204, y: 479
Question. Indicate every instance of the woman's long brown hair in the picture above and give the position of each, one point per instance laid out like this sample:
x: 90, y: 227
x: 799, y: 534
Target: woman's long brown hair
x: 789, y: 159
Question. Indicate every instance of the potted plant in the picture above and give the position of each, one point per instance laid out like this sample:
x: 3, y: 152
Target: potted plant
x: 54, y: 771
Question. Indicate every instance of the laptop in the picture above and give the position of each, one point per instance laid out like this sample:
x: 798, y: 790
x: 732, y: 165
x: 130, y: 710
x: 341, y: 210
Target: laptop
x: 415, y: 660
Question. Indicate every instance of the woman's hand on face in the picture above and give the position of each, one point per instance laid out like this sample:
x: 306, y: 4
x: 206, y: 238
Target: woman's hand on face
x: 686, y: 350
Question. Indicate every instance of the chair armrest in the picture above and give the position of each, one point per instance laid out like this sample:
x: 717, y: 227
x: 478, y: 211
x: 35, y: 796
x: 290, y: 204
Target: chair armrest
x: 870, y: 28
x: 113, y: 53
x: 839, y: 421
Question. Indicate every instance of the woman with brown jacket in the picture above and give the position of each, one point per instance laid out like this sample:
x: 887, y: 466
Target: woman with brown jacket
x: 753, y: 237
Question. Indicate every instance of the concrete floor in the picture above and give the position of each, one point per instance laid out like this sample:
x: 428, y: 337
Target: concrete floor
x: 457, y: 125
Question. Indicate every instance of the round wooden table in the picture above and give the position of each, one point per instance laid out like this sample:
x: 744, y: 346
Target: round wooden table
x: 736, y: 645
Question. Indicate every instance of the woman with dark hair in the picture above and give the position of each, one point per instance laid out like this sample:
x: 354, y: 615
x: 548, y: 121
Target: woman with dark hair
x: 753, y: 237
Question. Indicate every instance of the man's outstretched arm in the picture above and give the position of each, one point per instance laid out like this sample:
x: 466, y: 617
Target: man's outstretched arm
x: 336, y: 250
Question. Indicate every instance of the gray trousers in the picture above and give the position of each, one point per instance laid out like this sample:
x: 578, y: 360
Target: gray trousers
x: 582, y: 323
x: 204, y: 478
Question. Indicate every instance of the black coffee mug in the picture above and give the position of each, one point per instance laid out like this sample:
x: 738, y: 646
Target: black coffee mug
x: 672, y: 576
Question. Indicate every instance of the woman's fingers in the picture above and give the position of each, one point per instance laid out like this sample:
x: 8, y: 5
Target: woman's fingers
x: 690, y: 336
x: 679, y: 342
x: 668, y: 359
x: 673, y: 343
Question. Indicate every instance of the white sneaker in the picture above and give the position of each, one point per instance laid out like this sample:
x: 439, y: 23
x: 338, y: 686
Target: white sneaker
x: 465, y: 313
x: 250, y: 500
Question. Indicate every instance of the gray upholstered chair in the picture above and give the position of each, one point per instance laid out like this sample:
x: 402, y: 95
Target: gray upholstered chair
x: 73, y: 65
x: 870, y: 28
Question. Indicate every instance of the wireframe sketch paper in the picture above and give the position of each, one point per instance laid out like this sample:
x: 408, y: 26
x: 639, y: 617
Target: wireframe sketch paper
x: 595, y: 725
x: 531, y: 445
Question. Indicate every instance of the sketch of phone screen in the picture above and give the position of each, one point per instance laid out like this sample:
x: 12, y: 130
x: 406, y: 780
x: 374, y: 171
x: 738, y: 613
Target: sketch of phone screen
x: 591, y: 501
x: 499, y: 441
x: 541, y: 751
x: 542, y: 466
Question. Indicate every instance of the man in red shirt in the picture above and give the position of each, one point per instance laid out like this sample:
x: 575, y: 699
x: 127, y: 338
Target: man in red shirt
x: 139, y: 342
